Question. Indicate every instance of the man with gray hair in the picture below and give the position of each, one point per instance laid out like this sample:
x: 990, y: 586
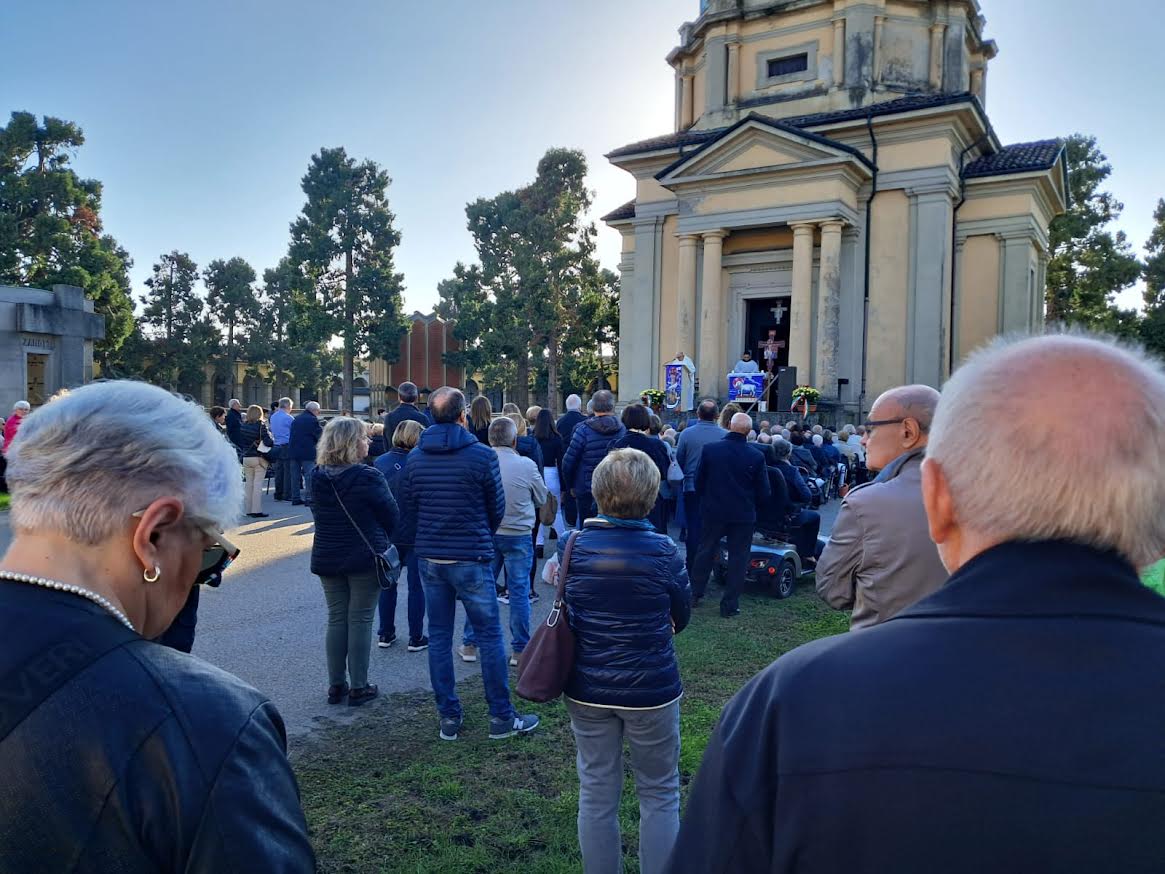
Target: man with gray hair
x: 234, y: 419
x: 301, y: 447
x: 406, y: 410
x: 280, y: 426
x: 566, y: 424
x: 1011, y: 721
x: 588, y: 446
x: 689, y: 449
x: 879, y: 558
x: 513, y: 541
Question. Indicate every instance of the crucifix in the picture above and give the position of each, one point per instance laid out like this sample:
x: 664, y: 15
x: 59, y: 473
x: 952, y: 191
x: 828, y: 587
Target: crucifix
x: 778, y: 311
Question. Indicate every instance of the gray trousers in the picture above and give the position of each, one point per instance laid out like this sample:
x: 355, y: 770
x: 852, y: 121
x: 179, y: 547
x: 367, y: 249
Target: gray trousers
x: 654, y: 738
x: 351, y: 603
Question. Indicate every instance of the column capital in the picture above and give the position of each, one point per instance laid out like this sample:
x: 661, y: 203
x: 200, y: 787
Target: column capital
x: 800, y: 228
x: 833, y: 226
x: 688, y: 239
x: 938, y: 27
x: 714, y: 235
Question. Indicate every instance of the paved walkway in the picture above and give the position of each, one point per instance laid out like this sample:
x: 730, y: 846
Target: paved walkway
x: 265, y: 624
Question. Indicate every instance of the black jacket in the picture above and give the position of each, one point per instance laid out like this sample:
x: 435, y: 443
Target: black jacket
x: 337, y: 547
x: 653, y: 447
x: 1011, y: 721
x: 404, y: 413
x: 305, y: 434
x: 143, y: 759
x: 452, y: 488
x: 552, y: 450
x: 234, y: 422
x: 566, y: 424
x: 588, y: 446
x: 624, y: 588
x: 249, y: 436
x: 732, y: 480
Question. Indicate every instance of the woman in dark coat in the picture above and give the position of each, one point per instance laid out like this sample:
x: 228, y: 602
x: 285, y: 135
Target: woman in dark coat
x: 553, y: 448
x: 347, y: 493
x: 392, y: 465
x: 637, y: 421
x: 251, y: 435
x: 481, y: 412
x: 627, y: 594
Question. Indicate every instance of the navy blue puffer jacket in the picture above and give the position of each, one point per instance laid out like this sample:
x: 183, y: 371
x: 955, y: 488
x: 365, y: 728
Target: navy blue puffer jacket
x: 338, y: 548
x: 624, y: 589
x: 392, y: 465
x: 588, y: 446
x: 452, y: 488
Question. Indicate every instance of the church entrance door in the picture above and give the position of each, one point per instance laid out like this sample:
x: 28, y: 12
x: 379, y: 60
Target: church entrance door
x: 37, y: 366
x: 767, y: 314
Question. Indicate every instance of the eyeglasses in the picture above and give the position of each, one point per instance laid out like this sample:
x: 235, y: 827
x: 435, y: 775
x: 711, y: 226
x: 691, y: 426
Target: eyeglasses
x: 216, y: 558
x: 870, y: 426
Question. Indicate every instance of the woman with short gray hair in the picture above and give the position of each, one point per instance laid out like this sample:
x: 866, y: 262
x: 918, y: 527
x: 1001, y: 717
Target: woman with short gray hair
x: 115, y: 519
x: 355, y: 514
x: 627, y: 595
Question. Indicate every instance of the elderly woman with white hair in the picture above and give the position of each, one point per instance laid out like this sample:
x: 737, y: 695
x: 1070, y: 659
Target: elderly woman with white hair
x: 627, y: 594
x: 117, y: 753
x: 19, y: 410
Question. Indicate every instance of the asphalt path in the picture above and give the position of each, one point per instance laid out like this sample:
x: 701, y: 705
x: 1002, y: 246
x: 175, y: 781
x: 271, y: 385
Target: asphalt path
x: 266, y: 622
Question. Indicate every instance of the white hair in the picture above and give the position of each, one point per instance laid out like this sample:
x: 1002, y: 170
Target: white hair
x: 22, y: 405
x: 86, y: 462
x: 751, y: 438
x: 1043, y: 482
x: 818, y: 440
x: 286, y: 403
x: 234, y: 401
x: 573, y: 402
x: 591, y: 405
x: 312, y: 407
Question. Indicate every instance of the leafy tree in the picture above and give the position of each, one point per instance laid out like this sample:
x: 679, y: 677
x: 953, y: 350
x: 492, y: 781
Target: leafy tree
x: 593, y: 334
x: 292, y: 332
x: 179, y: 336
x: 50, y: 223
x: 1153, y: 325
x: 231, y: 296
x: 1089, y: 263
x: 490, y: 343
x: 343, y: 245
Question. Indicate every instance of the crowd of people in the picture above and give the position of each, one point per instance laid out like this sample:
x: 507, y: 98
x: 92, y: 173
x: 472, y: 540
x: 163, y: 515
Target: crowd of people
x: 996, y: 705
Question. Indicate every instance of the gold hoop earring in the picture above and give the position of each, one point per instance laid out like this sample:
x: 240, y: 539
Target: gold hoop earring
x: 157, y: 573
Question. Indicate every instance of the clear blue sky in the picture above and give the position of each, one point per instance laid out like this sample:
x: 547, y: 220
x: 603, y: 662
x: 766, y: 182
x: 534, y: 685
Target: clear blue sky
x: 200, y: 117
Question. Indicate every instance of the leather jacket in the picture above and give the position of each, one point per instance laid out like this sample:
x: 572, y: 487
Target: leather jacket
x: 139, y: 758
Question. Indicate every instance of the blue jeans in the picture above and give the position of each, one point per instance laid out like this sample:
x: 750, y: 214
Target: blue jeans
x: 416, y: 599
x: 300, y: 471
x: 518, y: 560
x: 472, y: 583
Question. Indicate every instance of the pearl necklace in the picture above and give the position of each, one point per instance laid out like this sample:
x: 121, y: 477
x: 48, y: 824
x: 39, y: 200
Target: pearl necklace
x: 57, y: 585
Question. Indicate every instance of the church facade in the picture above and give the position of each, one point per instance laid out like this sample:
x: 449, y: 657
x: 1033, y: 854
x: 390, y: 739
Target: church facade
x: 833, y: 174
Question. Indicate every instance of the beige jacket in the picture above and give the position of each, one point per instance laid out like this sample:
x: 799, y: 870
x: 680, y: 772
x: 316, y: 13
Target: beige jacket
x: 880, y: 558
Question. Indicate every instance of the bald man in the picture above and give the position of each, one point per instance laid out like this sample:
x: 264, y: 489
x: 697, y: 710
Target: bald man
x: 1012, y: 720
x: 732, y: 482
x: 879, y: 558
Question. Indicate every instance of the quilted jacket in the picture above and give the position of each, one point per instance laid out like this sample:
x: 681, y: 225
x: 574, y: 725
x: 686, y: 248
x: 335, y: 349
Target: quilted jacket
x: 588, y: 446
x: 624, y: 589
x: 452, y: 489
x: 338, y: 548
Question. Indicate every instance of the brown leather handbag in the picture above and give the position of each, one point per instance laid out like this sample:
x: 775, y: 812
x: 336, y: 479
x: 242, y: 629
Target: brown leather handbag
x: 545, y: 664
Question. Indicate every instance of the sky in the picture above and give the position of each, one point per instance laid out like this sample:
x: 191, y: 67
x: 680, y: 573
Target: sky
x: 200, y: 118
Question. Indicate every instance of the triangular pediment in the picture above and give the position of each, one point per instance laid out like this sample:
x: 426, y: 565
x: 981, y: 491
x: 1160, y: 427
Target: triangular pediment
x: 757, y: 145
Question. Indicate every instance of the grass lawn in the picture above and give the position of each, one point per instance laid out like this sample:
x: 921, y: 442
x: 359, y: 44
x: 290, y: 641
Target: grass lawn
x: 387, y: 794
x: 5, y: 499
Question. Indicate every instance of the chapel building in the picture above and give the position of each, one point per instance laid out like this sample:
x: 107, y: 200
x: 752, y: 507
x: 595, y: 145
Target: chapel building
x: 833, y: 174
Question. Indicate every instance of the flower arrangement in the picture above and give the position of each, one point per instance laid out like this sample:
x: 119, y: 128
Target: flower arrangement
x: 652, y: 397
x: 808, y: 392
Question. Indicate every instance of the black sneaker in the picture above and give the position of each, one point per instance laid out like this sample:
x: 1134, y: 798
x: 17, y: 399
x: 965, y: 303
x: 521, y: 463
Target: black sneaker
x: 450, y: 729
x: 419, y: 645
x: 384, y: 641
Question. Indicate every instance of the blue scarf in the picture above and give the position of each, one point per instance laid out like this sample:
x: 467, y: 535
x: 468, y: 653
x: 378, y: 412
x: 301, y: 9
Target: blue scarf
x: 644, y: 524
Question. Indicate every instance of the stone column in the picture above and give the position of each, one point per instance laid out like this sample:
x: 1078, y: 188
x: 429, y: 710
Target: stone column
x: 686, y: 98
x: 937, y: 33
x: 828, y: 309
x: 801, y: 310
x: 686, y: 298
x: 879, y: 23
x: 711, y: 364
x: 977, y: 83
x: 838, y: 52
x: 733, y: 72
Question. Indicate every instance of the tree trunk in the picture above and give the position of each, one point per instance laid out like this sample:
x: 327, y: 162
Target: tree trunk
x: 522, y: 388
x: 231, y: 384
x: 552, y: 390
x: 349, y: 330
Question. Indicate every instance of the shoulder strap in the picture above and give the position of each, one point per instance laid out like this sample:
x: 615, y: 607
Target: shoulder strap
x: 47, y: 671
x: 560, y: 595
x: 339, y: 501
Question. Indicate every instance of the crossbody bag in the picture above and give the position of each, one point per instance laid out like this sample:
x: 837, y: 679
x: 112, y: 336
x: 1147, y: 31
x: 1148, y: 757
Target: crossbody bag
x: 388, y: 563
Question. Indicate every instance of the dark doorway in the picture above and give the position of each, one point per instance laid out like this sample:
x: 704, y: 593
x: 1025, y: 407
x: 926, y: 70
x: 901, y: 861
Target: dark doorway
x: 765, y: 314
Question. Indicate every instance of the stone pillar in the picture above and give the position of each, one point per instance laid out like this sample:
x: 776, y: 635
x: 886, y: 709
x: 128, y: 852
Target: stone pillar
x: 711, y: 364
x: 977, y: 83
x: 638, y: 325
x: 686, y: 98
x: 801, y: 310
x: 715, y: 72
x: 928, y: 294
x: 733, y: 72
x: 686, y: 298
x: 828, y: 309
x: 838, y: 52
x: 879, y: 23
x: 937, y: 34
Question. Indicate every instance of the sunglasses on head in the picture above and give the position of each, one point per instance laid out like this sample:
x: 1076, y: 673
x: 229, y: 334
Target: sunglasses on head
x: 216, y: 558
